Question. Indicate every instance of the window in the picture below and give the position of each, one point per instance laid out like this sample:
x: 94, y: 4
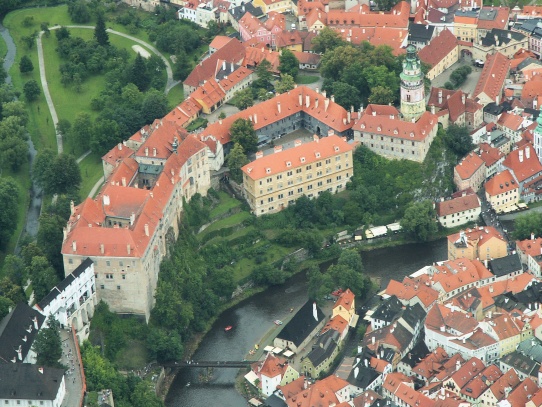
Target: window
x: 121, y: 263
x: 329, y: 181
x: 298, y: 171
x: 289, y: 173
x: 290, y: 193
x: 309, y: 187
x: 270, y: 199
x: 308, y: 167
x: 280, y: 196
x: 319, y: 164
x: 299, y: 190
x: 320, y: 183
x: 102, y: 286
x: 338, y: 158
x: 328, y: 161
x: 124, y: 276
x: 269, y: 180
x: 118, y: 287
x: 108, y: 263
x: 70, y: 261
x: 279, y: 176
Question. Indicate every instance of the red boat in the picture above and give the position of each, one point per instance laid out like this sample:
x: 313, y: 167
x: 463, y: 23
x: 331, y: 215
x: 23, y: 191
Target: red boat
x: 228, y: 328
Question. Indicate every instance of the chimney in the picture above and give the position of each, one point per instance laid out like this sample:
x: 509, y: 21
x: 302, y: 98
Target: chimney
x: 433, y: 109
x: 255, y: 118
x: 102, y: 248
x: 35, y: 321
x: 105, y: 200
x: 300, y: 99
x: 463, y: 99
x: 224, y: 65
x: 40, y: 369
x: 326, y: 104
x: 440, y: 97
x: 259, y: 154
x: 20, y: 352
x: 332, y: 98
x: 324, y: 93
x: 317, y: 90
x: 307, y: 101
x: 72, y: 207
x: 154, y: 151
x: 297, y: 143
x: 277, y: 149
x: 373, y: 340
x: 123, y: 181
x: 146, y: 229
x: 366, y: 362
x: 64, y: 234
x: 120, y: 146
x: 527, y: 152
x: 532, y: 236
x: 278, y: 106
x: 316, y: 103
x: 128, y: 248
x: 315, y: 138
x: 146, y: 151
x: 348, y: 117
x: 520, y: 156
x: 74, y: 246
x: 232, y: 67
x: 314, y: 311
x: 457, y: 365
x: 356, y: 372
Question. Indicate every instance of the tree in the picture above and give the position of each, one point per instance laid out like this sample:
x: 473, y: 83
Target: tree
x: 25, y: 64
x: 263, y: 71
x: 63, y: 127
x: 345, y: 94
x: 458, y: 140
x: 144, y: 395
x: 526, y: 224
x: 49, y: 239
x: 242, y: 132
x: 78, y: 11
x: 5, y: 305
x: 48, y: 345
x: 237, y: 159
x: 100, y: 34
x: 31, y: 90
x: 182, y: 66
x: 56, y: 174
x: 419, y: 220
x: 43, y: 277
x: 106, y: 133
x: 9, y: 197
x: 15, y: 109
x: 45, y: 28
x: 385, y: 5
x: 165, y: 346
x: 62, y: 33
x: 138, y: 73
x: 285, y: 84
x: 154, y: 106
x: 14, y: 269
x: 243, y: 99
x: 327, y: 39
x: 382, y: 95
x: 11, y: 291
x: 82, y: 130
x: 288, y: 63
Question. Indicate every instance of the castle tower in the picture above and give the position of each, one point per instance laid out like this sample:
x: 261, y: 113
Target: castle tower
x: 538, y: 137
x: 412, y: 86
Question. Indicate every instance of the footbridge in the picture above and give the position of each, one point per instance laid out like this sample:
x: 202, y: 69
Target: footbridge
x: 213, y: 364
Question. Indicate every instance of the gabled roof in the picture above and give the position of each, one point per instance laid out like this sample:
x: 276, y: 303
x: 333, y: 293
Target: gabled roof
x: 523, y: 163
x: 346, y: 300
x: 18, y: 330
x: 388, y: 310
x: 493, y: 75
x: 493, y: 17
x: 522, y: 393
x: 438, y: 48
x: 468, y: 166
x: 420, y: 32
x: 501, y: 183
x: 505, y: 265
x: 457, y: 205
x: 490, y: 155
x: 302, y: 324
x: 25, y: 381
x: 507, y: 380
x: 219, y: 41
x: 395, y: 38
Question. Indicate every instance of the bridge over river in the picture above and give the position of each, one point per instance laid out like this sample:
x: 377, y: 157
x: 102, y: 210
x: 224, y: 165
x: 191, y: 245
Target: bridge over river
x: 214, y: 363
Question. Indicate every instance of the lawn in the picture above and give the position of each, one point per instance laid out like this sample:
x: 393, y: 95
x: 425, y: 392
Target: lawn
x: 226, y: 203
x: 246, y: 266
x: 175, y: 95
x: 133, y: 356
x: 196, y: 124
x: 230, y: 221
x: 306, y: 79
x: 91, y: 171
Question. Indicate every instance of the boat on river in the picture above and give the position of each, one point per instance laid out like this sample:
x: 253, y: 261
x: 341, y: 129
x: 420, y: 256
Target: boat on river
x: 228, y: 328
x: 277, y: 322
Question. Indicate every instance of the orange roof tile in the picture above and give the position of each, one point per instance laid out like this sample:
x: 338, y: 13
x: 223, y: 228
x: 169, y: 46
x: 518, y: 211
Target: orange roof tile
x: 336, y: 323
x: 219, y: 41
x: 346, y: 300
x: 522, y: 166
x: 493, y: 75
x: 500, y: 21
x: 376, y: 36
x: 468, y: 166
x: 522, y: 393
x: 457, y: 205
x: 509, y: 379
x: 438, y: 48
x: 395, y: 127
x: 490, y: 155
x: 501, y: 183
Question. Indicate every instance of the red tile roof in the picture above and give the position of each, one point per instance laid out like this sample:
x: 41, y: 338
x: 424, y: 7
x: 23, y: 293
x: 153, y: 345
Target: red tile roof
x: 490, y: 155
x: 493, y: 76
x: 288, y: 38
x: 522, y: 393
x: 395, y: 127
x: 117, y: 154
x: 345, y: 300
x: 468, y: 166
x: 500, y: 183
x: 438, y: 48
x: 412, y: 398
x: 396, y: 18
x: 376, y: 36
x: 522, y: 166
x: 456, y: 205
x: 219, y: 41
x: 305, y: 154
x: 500, y: 21
x: 510, y: 121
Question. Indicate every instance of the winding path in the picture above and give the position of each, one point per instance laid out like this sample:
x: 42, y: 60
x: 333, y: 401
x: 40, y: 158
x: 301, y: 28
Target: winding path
x: 170, y: 81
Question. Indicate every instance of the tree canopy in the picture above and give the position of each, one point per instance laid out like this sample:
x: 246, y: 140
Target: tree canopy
x: 458, y: 140
x: 56, y: 174
x: 100, y: 34
x: 420, y: 220
x: 526, y: 224
x: 9, y: 195
x: 288, y: 63
x: 48, y: 345
x: 242, y: 132
x: 237, y: 159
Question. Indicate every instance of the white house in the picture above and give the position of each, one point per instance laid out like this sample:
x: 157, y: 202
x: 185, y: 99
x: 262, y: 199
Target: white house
x: 458, y: 211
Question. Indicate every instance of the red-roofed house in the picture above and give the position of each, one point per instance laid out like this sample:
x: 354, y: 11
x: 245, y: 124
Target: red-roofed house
x: 524, y: 165
x: 470, y: 172
x: 479, y: 243
x: 511, y: 124
x: 441, y: 53
x: 458, y: 211
x: 530, y: 253
x: 266, y: 181
x: 457, y: 107
x: 330, y: 391
x: 376, y: 36
x: 273, y: 372
x: 531, y: 91
x: 345, y: 306
x: 502, y: 191
x: 519, y: 396
x: 500, y: 388
x: 491, y: 83
x: 492, y: 157
x: 122, y: 230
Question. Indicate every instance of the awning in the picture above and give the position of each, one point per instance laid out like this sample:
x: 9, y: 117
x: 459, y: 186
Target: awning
x: 354, y: 320
x: 255, y: 402
x: 276, y: 351
x: 268, y: 348
x: 288, y: 354
x: 251, y: 378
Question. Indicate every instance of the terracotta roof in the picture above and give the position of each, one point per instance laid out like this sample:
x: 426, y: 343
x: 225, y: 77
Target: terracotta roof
x: 474, y: 236
x: 467, y: 371
x: 316, y: 15
x: 376, y: 36
x: 240, y: 74
x: 272, y: 366
x: 468, y: 166
x: 291, y: 389
x: 396, y: 18
x: 510, y: 121
x: 490, y: 155
x: 302, y: 155
x: 493, y: 76
x: 411, y: 397
x: 275, y: 22
x: 346, y: 300
x: 531, y: 90
x: 522, y: 166
x: 438, y: 48
x: 320, y: 394
x: 530, y: 247
x: 336, y: 323
x: 457, y: 205
x: 532, y: 10
x: 282, y: 106
x: 117, y: 154
x: 395, y: 127
x: 444, y: 94
x: 479, y: 384
x: 307, y: 57
x: 232, y: 51
x: 408, y: 289
x: 500, y: 21
x: 504, y: 325
x: 507, y: 380
x: 458, y: 321
x: 522, y: 393
x: 394, y: 379
x: 500, y: 183
x: 251, y: 24
x: 288, y: 38
x: 184, y: 112
x: 255, y: 55
x: 219, y: 41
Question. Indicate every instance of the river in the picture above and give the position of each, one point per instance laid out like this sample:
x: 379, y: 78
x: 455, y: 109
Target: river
x: 254, y: 317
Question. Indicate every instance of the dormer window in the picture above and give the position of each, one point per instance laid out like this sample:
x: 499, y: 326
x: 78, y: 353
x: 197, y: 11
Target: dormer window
x: 336, y: 149
x: 395, y: 132
x: 302, y: 159
x: 379, y: 128
x: 411, y: 134
x: 362, y: 125
x: 268, y: 170
x: 288, y: 164
x: 317, y: 155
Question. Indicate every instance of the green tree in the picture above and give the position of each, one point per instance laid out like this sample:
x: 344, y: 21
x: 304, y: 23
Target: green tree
x: 419, y: 220
x: 45, y: 28
x: 386, y: 5
x: 62, y: 33
x: 154, y: 106
x: 11, y: 291
x: 5, y: 305
x: 144, y: 395
x: 49, y: 239
x: 63, y: 127
x: 182, y: 66
x: 458, y: 140
x: 236, y: 160
x: 31, y: 90
x: 9, y: 196
x: 336, y: 60
x: 56, y: 174
x: 345, y: 95
x: 106, y: 133
x: 48, y: 345
x: 382, y: 95
x: 327, y: 39
x: 139, y: 75
x: 100, y: 34
x: 82, y: 130
x: 43, y: 277
x: 263, y: 71
x: 164, y: 346
x: 16, y: 109
x: 78, y: 11
x: 320, y: 284
x: 14, y: 269
x: 526, y: 224
x: 25, y: 64
x: 243, y: 99
x: 242, y: 132
x: 285, y: 84
x: 288, y: 63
